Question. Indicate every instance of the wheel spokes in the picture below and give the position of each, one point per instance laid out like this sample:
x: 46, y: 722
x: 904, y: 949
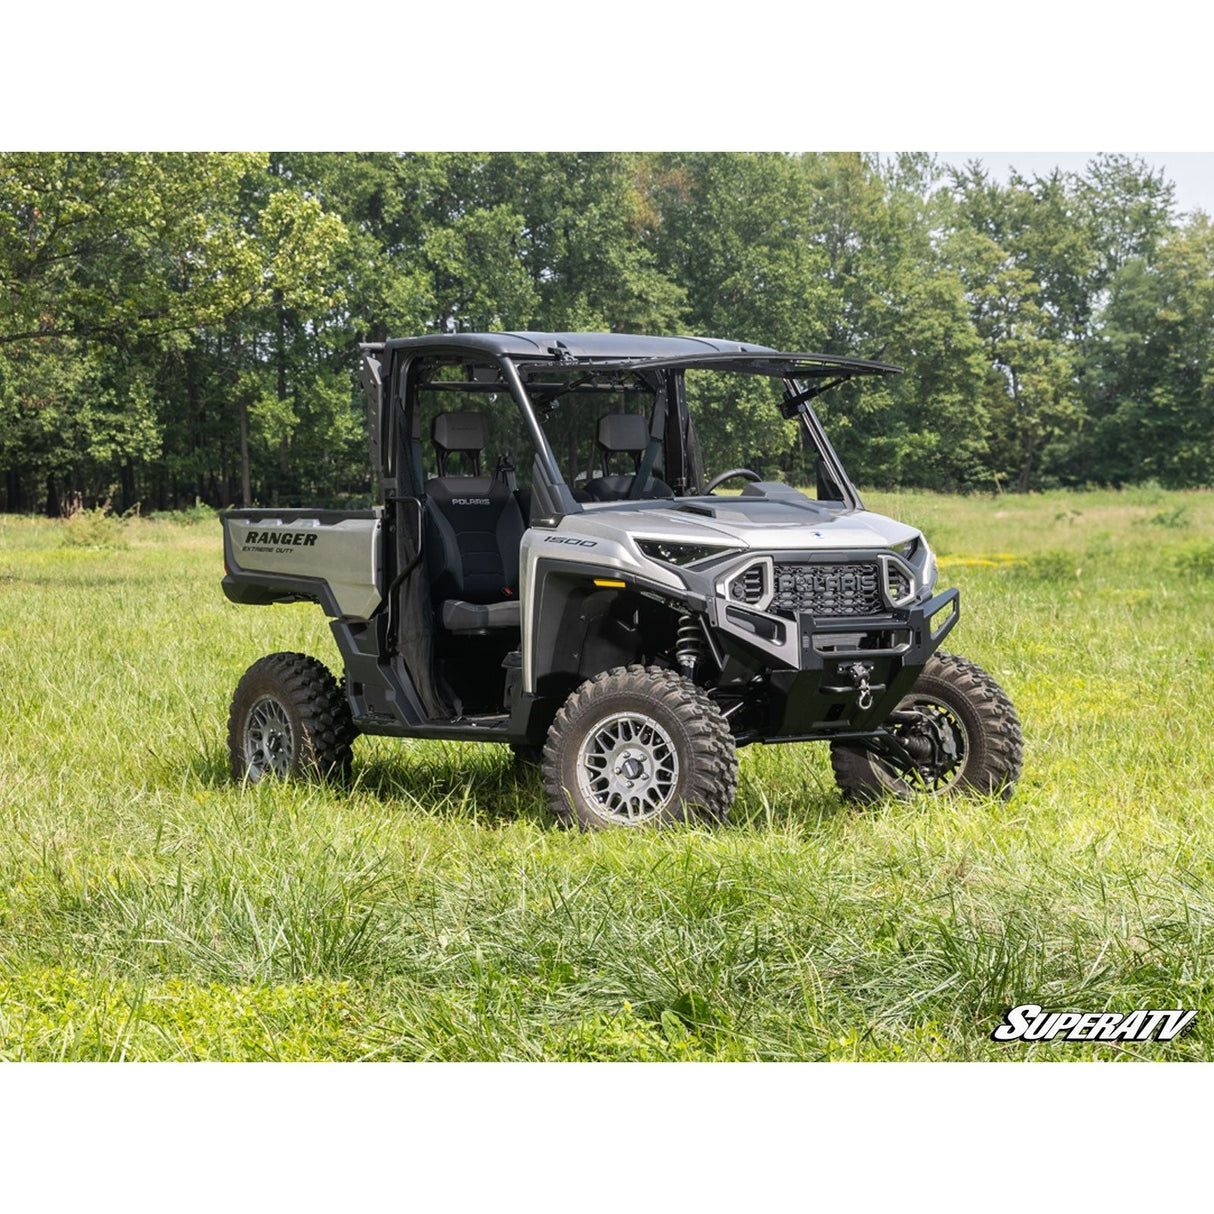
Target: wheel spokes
x: 628, y: 768
x: 269, y: 742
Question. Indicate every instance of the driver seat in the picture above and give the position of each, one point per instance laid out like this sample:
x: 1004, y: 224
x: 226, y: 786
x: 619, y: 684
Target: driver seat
x: 623, y: 434
x: 473, y: 531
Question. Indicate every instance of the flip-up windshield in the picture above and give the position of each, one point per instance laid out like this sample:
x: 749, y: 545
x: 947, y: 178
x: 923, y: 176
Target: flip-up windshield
x: 604, y: 425
x: 648, y: 428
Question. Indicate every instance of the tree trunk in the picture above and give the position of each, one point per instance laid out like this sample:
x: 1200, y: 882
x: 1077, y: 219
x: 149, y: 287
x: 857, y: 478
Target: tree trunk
x: 52, y: 499
x: 198, y: 424
x: 281, y: 384
x: 127, y: 476
x: 224, y: 486
x: 1027, y: 466
x: 246, y: 482
x: 1028, y: 441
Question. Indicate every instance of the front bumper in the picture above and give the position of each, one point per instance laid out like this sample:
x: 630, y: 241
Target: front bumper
x: 849, y: 674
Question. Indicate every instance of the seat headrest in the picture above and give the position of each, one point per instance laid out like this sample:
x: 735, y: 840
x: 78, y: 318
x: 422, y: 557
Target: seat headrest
x: 463, y: 431
x: 626, y: 432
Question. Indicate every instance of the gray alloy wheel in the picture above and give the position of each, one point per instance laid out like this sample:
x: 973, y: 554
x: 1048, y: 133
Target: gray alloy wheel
x: 639, y: 746
x: 269, y: 743
x: 627, y: 766
x: 289, y: 718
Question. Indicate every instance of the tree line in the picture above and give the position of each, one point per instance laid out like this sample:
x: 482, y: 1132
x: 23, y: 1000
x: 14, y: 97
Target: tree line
x: 182, y: 327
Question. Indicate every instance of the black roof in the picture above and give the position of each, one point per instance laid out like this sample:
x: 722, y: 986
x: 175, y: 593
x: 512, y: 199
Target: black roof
x: 628, y: 349
x: 574, y: 345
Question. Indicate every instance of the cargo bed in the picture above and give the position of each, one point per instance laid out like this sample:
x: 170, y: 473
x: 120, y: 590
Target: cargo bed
x: 330, y: 557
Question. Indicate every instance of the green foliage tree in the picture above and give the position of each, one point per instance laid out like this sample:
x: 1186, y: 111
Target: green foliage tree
x: 104, y: 261
x: 1152, y: 375
x: 895, y: 296
x: 176, y: 326
x: 587, y: 223
x: 1003, y: 243
x: 734, y: 231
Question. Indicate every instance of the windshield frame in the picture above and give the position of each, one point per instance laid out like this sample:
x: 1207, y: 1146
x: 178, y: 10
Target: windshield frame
x: 804, y: 376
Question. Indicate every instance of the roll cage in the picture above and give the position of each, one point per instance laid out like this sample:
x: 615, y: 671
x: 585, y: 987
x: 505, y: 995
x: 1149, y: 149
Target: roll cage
x: 606, y: 362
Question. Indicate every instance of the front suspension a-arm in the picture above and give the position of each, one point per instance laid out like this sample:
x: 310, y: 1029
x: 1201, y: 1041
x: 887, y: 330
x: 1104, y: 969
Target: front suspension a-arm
x: 887, y: 745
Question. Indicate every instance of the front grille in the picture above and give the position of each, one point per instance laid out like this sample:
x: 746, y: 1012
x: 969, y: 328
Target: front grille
x: 748, y: 587
x: 899, y: 584
x: 827, y: 590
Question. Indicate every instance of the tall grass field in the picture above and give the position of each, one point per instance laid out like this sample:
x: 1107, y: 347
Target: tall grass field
x: 151, y: 909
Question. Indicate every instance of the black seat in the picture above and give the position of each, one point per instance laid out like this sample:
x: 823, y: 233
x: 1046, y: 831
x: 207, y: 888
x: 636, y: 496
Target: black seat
x: 473, y: 531
x: 623, y: 434
x: 457, y: 615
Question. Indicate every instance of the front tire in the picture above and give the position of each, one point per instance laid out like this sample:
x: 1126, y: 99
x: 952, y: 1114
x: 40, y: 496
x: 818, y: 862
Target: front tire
x: 961, y: 728
x: 639, y: 745
x: 289, y: 719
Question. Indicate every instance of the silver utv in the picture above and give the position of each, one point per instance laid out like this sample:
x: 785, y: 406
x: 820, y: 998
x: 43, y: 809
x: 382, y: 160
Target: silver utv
x: 551, y: 567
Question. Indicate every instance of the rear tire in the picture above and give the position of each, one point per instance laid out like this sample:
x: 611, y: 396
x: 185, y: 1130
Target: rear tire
x: 960, y: 705
x: 639, y: 745
x: 289, y: 719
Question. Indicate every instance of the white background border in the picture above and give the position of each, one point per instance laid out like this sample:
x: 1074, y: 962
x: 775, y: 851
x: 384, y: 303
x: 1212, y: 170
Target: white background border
x: 642, y: 76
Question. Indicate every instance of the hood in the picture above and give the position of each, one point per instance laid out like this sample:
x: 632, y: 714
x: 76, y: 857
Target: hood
x: 789, y: 521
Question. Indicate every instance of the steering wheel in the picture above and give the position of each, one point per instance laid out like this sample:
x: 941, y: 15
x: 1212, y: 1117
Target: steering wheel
x: 720, y: 480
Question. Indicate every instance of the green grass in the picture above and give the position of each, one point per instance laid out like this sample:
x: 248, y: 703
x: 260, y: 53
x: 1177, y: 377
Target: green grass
x: 149, y: 909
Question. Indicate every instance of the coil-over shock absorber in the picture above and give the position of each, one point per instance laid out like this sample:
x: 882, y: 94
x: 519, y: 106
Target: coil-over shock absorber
x: 688, y: 645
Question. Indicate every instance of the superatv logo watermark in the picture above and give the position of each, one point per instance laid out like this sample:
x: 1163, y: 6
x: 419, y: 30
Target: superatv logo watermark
x: 1028, y: 1022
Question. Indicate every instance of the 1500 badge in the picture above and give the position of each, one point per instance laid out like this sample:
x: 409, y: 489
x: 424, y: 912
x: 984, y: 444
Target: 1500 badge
x: 570, y: 539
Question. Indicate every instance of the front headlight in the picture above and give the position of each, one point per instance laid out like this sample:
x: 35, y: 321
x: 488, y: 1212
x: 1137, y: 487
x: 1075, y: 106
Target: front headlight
x: 918, y: 555
x: 678, y: 554
x: 930, y: 571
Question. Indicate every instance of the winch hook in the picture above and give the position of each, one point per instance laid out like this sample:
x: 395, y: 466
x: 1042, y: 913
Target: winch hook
x: 859, y: 672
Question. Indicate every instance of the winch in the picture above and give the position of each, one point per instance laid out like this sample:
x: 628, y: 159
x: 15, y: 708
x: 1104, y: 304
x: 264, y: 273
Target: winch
x: 859, y: 673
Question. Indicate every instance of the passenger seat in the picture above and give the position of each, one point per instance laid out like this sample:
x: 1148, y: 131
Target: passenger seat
x: 628, y: 434
x: 473, y: 531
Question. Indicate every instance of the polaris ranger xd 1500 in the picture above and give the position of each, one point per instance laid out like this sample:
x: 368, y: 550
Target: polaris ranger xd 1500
x: 552, y: 569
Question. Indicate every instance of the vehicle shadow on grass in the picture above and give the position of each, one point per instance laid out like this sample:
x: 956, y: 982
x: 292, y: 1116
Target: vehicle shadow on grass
x: 208, y: 768
x: 786, y: 787
x: 486, y: 785
x: 489, y: 788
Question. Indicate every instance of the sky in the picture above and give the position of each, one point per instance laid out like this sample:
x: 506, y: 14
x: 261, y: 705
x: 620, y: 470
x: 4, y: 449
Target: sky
x: 1191, y: 172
